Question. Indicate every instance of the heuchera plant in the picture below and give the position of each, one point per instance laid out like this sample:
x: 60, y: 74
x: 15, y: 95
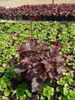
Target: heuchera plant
x: 39, y: 62
x: 40, y: 10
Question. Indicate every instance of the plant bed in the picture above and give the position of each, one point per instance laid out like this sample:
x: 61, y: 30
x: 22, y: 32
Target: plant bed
x: 32, y: 61
x: 43, y: 12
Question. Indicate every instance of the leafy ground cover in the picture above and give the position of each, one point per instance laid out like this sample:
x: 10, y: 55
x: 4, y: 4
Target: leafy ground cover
x: 33, y: 57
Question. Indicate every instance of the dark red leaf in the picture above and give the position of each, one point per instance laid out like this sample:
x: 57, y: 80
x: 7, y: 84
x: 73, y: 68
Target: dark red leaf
x: 68, y: 66
x: 54, y: 43
x: 13, y: 43
x: 66, y: 57
x: 20, y: 68
x: 18, y: 35
x: 34, y: 17
x: 11, y: 33
x: 27, y: 38
x: 26, y: 29
x: 36, y: 84
x: 61, y: 69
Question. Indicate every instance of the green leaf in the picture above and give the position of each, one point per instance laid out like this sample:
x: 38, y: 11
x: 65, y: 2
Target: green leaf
x: 7, y: 93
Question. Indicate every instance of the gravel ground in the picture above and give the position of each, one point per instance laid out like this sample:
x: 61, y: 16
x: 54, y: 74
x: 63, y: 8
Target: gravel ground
x: 14, y: 3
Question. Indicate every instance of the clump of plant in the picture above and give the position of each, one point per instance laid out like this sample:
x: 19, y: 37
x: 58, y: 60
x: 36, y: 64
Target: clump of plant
x: 40, y: 62
x: 5, y: 81
x: 65, y: 88
x: 10, y: 86
x: 22, y: 91
x: 47, y: 92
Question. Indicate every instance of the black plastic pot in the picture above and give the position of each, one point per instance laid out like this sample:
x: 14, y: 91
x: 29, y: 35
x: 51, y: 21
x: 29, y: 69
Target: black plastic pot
x: 9, y: 17
x: 61, y: 18
x: 72, y: 18
x: 14, y: 18
x: 24, y: 17
x: 1, y: 16
x: 19, y: 17
x: 5, y: 17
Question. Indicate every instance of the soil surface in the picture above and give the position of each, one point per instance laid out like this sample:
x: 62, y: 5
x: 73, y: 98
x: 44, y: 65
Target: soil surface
x: 15, y: 3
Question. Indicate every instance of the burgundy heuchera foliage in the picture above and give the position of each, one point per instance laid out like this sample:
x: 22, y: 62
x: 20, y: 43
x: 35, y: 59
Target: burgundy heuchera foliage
x: 40, y: 62
x: 40, y: 10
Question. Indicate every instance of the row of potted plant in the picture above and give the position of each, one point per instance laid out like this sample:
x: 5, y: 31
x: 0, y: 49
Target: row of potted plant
x: 44, y: 12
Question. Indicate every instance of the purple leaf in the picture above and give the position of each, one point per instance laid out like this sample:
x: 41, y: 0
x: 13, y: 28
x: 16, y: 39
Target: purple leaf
x: 20, y: 68
x: 13, y: 43
x: 18, y: 35
x: 61, y: 69
x: 36, y: 84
